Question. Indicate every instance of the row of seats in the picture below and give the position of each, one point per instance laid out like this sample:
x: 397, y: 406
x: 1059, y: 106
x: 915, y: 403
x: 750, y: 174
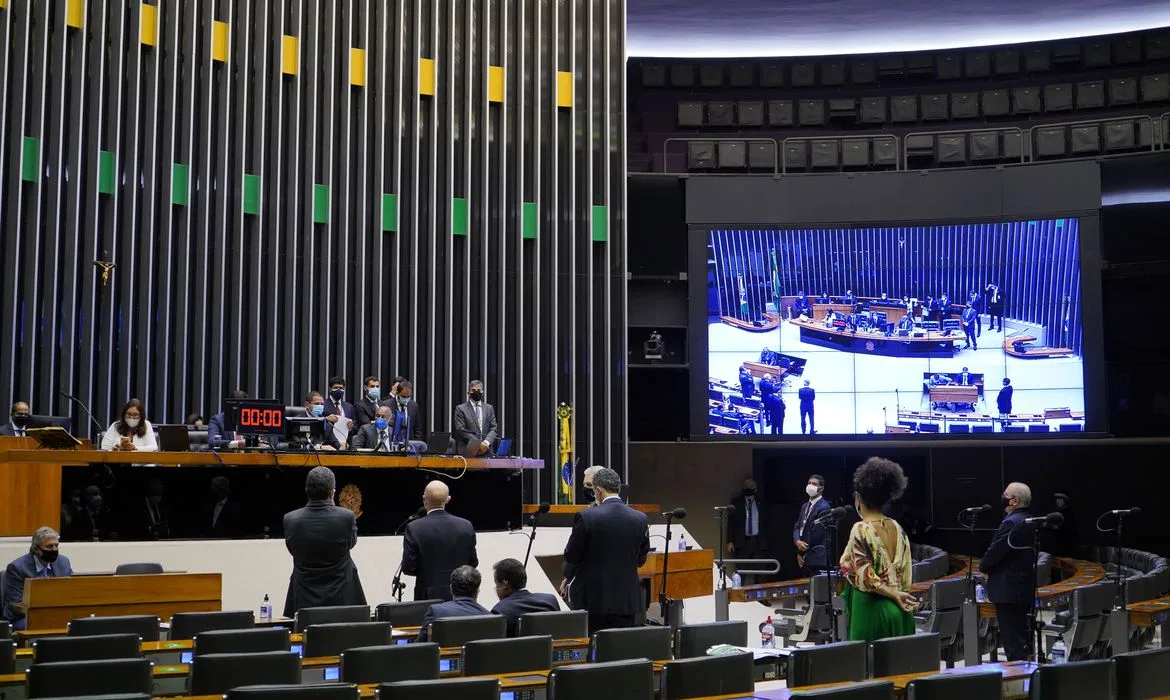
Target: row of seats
x: 929, y: 562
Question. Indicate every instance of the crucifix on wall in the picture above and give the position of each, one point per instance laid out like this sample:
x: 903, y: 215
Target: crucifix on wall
x: 107, y: 266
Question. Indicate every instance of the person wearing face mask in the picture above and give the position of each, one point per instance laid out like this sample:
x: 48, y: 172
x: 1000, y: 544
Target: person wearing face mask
x: 366, y: 407
x: 339, y: 412
x: 131, y: 432
x: 42, y: 561
x: 218, y: 436
x: 475, y: 423
x: 376, y: 435
x: 1008, y: 566
x: 17, y: 420
x: 746, y: 532
x: 587, y: 484
x: 407, y: 428
x: 315, y: 408
x: 808, y: 536
x: 93, y: 522
x: 1065, y: 538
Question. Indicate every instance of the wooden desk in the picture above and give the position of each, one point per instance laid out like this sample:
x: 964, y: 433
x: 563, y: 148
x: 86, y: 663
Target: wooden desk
x: 759, y: 369
x: 530, y: 508
x: 1078, y: 573
x: 954, y: 393
x: 752, y: 414
x: 691, y: 573
x: 53, y: 602
x: 31, y: 495
x: 1150, y: 613
x: 1031, y: 351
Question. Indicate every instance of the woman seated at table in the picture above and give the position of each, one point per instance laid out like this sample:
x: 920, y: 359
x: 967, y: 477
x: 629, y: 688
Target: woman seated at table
x: 876, y: 563
x: 132, y: 432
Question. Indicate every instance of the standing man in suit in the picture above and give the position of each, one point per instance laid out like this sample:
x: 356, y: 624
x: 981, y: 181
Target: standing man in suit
x: 773, y: 403
x: 968, y: 320
x: 319, y: 538
x: 976, y: 300
x: 747, y: 536
x: 339, y: 413
x: 1004, y: 400
x: 607, y: 545
x: 437, y: 544
x: 464, y: 585
x: 808, y: 536
x: 994, y: 298
x: 408, y: 429
x: 17, y: 420
x: 376, y: 435
x: 807, y: 409
x: 223, y: 517
x: 587, y: 483
x: 965, y: 377
x: 1009, y: 572
x: 366, y: 407
x: 747, y: 383
x: 515, y: 599
x: 42, y: 561
x: 475, y: 423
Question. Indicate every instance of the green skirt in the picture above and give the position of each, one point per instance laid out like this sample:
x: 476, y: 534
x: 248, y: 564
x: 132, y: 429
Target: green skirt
x: 873, y: 616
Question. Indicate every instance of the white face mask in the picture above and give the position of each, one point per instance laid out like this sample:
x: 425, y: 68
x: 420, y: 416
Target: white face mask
x: 132, y: 422
x: 811, y: 490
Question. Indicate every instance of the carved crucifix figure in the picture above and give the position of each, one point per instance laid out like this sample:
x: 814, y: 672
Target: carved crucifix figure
x: 107, y: 266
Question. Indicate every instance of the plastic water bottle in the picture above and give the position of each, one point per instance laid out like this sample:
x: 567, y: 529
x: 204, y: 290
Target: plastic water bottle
x: 768, y: 634
x: 266, y: 609
x: 1059, y: 652
x: 980, y: 593
x: 736, y: 580
x: 682, y: 543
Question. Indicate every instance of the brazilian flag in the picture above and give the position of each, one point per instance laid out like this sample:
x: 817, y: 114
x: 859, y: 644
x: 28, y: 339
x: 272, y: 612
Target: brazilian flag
x: 775, y: 282
x: 743, y: 304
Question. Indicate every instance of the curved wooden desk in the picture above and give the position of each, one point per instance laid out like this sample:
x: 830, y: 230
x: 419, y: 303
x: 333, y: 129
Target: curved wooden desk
x: 1033, y: 351
x: 929, y: 344
x: 1078, y: 572
x: 771, y: 322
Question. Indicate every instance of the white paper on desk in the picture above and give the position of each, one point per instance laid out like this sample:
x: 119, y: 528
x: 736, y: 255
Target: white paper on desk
x: 341, y: 431
x: 757, y: 652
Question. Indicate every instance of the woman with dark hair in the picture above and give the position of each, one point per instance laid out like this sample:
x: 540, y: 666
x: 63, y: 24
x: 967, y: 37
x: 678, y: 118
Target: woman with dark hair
x: 876, y: 563
x: 131, y: 432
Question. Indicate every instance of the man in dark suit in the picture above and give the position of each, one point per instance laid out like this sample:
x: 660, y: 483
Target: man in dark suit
x: 93, y: 522
x: 808, y: 536
x: 968, y: 321
x: 976, y: 300
x: 406, y: 424
x: 773, y: 403
x: 994, y: 297
x: 965, y: 377
x: 315, y: 408
x: 475, y: 423
x: 42, y: 561
x: 1004, y: 400
x: 515, y: 599
x: 319, y: 537
x: 747, y: 536
x: 808, y: 396
x: 376, y: 434
x: 464, y: 584
x: 1008, y: 566
x: 850, y: 298
x: 366, y: 408
x: 223, y: 517
x: 747, y: 383
x: 218, y: 436
x: 17, y: 420
x: 607, y: 545
x: 437, y: 544
x: 338, y: 409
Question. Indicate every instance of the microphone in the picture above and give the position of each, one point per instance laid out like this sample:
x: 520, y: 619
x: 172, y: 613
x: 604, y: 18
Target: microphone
x: 729, y: 508
x: 543, y: 508
x: 985, y: 508
x: 83, y: 407
x: 1129, y: 511
x: 835, y: 514
x: 677, y: 513
x: 421, y: 512
x: 1050, y: 520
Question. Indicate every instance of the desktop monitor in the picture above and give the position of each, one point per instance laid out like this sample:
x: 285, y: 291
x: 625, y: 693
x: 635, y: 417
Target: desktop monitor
x: 305, y: 430
x: 264, y: 417
x: 950, y: 324
x: 879, y: 318
x: 930, y: 325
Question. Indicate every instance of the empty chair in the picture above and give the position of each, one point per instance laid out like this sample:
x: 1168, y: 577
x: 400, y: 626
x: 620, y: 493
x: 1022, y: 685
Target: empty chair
x: 448, y: 689
x: 945, y: 615
x: 873, y: 690
x: 145, y: 626
x: 90, y: 648
x: 72, y: 678
x: 965, y: 686
x: 894, y: 656
x: 562, y: 624
x: 7, y: 656
x: 621, y: 680
x: 321, y: 691
x: 5, y: 629
x: 633, y: 643
x: 1081, y: 680
x: 457, y: 631
x: 241, y: 641
x: 708, y: 675
x: 138, y: 567
x: 188, y: 624
x: 813, y: 624
x: 218, y: 673
x: 330, y: 614
x: 334, y: 638
x: 408, y: 614
x: 391, y: 663
x: 486, y: 657
x: 694, y: 640
x: 828, y: 663
x: 1142, y: 674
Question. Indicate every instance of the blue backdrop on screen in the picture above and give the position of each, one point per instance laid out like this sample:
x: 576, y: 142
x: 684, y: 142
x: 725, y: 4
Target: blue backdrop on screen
x: 958, y: 328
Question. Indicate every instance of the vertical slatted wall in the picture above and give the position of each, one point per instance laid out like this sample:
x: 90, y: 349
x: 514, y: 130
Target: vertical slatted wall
x: 299, y: 188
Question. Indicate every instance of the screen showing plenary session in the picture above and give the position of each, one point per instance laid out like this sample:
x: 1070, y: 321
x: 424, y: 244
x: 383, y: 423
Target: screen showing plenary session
x: 957, y: 328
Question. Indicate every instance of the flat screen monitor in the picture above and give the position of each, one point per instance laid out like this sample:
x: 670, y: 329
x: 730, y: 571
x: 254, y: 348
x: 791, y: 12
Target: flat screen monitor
x: 951, y: 324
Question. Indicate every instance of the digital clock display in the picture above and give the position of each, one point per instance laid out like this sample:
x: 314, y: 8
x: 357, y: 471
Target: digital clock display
x: 254, y: 416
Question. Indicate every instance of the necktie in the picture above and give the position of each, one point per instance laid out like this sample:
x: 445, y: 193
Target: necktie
x: 385, y: 440
x: 750, y: 502
x: 804, y: 515
x: 478, y: 417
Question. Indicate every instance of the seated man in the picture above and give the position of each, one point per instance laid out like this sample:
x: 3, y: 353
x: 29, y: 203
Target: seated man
x: 315, y: 408
x: 376, y: 434
x: 42, y: 561
x: 465, y: 582
x: 515, y: 599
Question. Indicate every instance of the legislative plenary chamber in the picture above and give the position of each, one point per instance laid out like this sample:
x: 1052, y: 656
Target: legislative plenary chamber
x: 534, y: 350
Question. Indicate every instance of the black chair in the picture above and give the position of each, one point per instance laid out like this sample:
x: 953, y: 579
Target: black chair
x: 621, y: 680
x: 408, y: 614
x: 72, y: 678
x: 562, y: 624
x: 5, y: 628
x: 188, y: 624
x: 145, y: 626
x: 632, y: 643
x: 391, y: 663
x: 945, y: 615
x: 334, y: 638
x: 1080, y: 680
x: 251, y: 641
x: 827, y: 663
x: 708, y: 675
x: 964, y: 686
x: 894, y: 656
x: 330, y: 614
x: 212, y: 674
x: 1142, y: 674
x: 694, y: 640
x: 90, y: 648
x: 137, y: 568
x: 321, y: 691
x: 7, y: 656
x: 448, y: 689
x: 112, y: 696
x: 873, y: 690
x: 487, y: 657
x: 457, y: 631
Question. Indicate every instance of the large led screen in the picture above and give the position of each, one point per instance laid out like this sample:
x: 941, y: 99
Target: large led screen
x: 955, y: 329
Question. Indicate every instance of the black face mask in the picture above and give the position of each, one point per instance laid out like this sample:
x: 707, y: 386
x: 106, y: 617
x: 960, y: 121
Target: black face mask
x: 49, y: 555
x: 337, y: 394
x: 20, y: 419
x: 476, y: 396
x: 749, y: 492
x: 1004, y: 502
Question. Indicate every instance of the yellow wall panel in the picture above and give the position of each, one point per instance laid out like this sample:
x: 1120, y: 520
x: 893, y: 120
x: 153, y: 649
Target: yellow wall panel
x: 564, y: 89
x: 495, y: 84
x: 219, y: 41
x: 426, y: 76
x: 357, y: 67
x: 148, y: 25
x: 3, y: 4
x: 75, y: 13
x: 290, y: 48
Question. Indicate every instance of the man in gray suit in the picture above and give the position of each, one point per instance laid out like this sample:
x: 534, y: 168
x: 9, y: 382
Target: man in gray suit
x: 42, y: 561
x: 475, y: 423
x: 319, y: 537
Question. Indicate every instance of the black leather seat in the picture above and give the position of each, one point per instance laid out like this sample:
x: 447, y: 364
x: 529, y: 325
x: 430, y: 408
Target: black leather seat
x: 391, y: 663
x: 406, y: 614
x: 457, y: 631
x: 5, y: 629
x: 321, y: 691
x: 334, y: 638
x: 212, y: 674
x: 494, y: 656
x: 894, y: 656
x: 708, y: 675
x: 560, y: 624
x: 1143, y: 674
x: 186, y: 625
x: 652, y: 643
x: 145, y: 626
x: 330, y: 614
x: 72, y: 678
x: 621, y: 680
x: 827, y: 663
x: 89, y: 648
x: 1082, y: 680
x: 248, y: 641
x: 138, y: 568
x: 448, y: 689
x: 692, y: 641
x: 964, y: 686
x: 7, y: 657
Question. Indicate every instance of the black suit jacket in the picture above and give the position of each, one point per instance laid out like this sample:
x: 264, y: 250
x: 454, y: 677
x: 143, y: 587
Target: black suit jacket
x: 229, y: 524
x: 1003, y: 401
x: 10, y: 430
x: 87, y: 525
x: 465, y: 429
x: 319, y: 537
x: 416, y: 426
x: 737, y: 522
x: 815, y: 536
x: 364, y: 411
x: 607, y: 545
x: 1009, y: 571
x: 524, y: 601
x: 456, y: 607
x: 433, y: 547
x: 367, y: 437
x: 994, y: 305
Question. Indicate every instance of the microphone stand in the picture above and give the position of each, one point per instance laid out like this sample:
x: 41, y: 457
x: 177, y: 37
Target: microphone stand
x: 831, y: 525
x: 1121, y: 598
x: 971, y: 597
x: 397, y: 586
x: 722, y: 548
x: 663, y: 602
x: 1036, y: 638
x: 532, y: 536
x: 85, y: 410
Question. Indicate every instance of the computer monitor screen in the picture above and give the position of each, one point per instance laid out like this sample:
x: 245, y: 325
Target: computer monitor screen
x: 951, y: 324
x: 305, y: 430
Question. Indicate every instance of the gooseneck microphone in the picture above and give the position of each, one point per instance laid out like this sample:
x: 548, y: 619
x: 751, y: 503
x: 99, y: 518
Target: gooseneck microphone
x: 543, y: 508
x: 85, y: 409
x: 1128, y: 511
x: 677, y: 513
x: 1050, y: 520
x: 835, y: 514
x: 975, y: 510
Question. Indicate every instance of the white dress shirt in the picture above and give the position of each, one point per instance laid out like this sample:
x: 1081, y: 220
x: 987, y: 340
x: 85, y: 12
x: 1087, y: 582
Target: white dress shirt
x: 145, y: 443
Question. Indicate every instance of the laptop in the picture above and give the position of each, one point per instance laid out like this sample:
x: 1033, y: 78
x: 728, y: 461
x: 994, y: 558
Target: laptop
x: 504, y: 448
x: 439, y: 444
x: 173, y: 438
